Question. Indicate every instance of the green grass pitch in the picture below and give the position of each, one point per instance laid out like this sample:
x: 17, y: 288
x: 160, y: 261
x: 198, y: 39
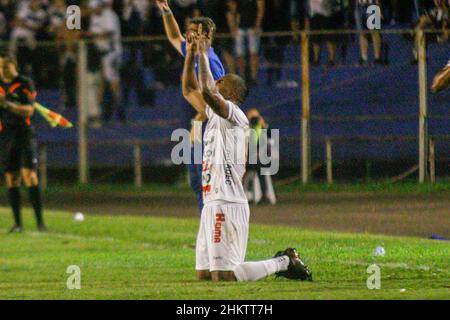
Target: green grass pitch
x: 125, y: 257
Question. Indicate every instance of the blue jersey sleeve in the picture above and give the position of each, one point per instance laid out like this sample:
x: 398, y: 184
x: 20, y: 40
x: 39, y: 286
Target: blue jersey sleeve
x: 217, y: 69
x: 183, y: 48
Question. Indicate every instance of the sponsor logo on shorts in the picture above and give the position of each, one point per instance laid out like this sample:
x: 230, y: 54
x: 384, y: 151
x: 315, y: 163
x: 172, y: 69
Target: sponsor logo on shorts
x: 220, y: 217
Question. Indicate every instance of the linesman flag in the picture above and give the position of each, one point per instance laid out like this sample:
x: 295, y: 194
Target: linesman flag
x: 53, y: 118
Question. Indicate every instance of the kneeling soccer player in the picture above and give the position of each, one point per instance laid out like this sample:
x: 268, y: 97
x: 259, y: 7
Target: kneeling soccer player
x: 17, y: 140
x: 223, y: 233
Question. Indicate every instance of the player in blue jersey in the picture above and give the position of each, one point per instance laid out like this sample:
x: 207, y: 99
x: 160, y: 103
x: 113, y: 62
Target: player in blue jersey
x: 178, y: 41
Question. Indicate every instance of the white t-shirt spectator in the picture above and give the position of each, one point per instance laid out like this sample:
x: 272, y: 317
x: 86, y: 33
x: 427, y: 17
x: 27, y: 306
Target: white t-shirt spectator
x: 322, y: 7
x: 107, y: 22
x: 57, y: 17
x: 31, y: 19
x: 185, y: 3
x: 141, y: 6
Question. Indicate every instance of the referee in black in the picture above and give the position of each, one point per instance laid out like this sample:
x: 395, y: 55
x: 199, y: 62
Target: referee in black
x: 18, y: 146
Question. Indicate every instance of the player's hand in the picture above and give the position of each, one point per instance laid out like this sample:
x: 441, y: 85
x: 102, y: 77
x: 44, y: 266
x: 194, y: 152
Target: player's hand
x: 191, y: 43
x: 163, y: 5
x: 202, y: 40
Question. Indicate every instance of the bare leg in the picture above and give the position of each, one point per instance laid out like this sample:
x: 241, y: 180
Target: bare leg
x: 331, y: 52
x: 254, y: 65
x: 229, y: 61
x: 30, y: 177
x: 376, y: 37
x: 242, y: 65
x: 316, y: 51
x: 364, y: 47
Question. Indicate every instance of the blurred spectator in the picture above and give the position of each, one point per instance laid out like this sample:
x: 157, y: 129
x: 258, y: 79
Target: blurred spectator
x: 325, y: 15
x: 105, y: 29
x: 257, y: 186
x: 251, y: 15
x: 233, y: 19
x: 274, y: 46
x: 298, y: 14
x: 361, y: 18
x: 3, y: 26
x: 215, y: 10
x: 436, y: 18
x: 28, y: 21
x: 183, y: 10
x: 134, y: 17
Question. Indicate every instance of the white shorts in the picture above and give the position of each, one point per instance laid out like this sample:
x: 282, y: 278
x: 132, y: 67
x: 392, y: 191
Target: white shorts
x: 222, y: 237
x: 111, y: 66
x: 252, y: 42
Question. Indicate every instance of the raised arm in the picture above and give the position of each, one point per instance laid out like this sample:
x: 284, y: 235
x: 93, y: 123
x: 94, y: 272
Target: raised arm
x: 210, y: 93
x: 191, y: 89
x: 441, y: 80
x: 261, y: 8
x: 170, y: 25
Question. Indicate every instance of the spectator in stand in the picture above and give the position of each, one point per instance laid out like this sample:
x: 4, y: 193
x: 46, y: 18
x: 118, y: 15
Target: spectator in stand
x: 274, y: 46
x: 233, y: 19
x: 361, y: 18
x: 183, y: 10
x: 57, y: 31
x: 436, y: 18
x: 134, y: 15
x: 215, y: 9
x: 30, y: 18
x: 251, y: 15
x: 105, y: 29
x: 3, y: 26
x: 298, y: 15
x: 325, y: 15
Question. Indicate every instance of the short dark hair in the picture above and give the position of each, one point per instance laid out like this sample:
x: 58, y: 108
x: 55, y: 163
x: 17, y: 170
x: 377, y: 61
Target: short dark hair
x: 239, y: 86
x: 208, y: 24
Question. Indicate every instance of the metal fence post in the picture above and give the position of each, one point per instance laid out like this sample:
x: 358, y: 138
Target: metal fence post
x: 306, y: 139
x: 43, y: 167
x: 423, y: 113
x: 137, y: 165
x: 329, y: 161
x: 432, y: 161
x: 82, y: 113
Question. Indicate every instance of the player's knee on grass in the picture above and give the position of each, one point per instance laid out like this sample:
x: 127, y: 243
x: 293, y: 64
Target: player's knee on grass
x: 30, y: 177
x: 203, y: 275
x: 223, y: 276
x: 12, y: 180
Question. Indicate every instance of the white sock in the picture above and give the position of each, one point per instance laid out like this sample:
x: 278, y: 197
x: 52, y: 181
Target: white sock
x: 253, y: 271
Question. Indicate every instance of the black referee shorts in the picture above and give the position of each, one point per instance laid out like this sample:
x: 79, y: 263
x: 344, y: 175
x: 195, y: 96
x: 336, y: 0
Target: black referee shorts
x: 18, y: 149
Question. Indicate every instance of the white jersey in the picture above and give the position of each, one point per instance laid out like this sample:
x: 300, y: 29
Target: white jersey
x: 224, y: 156
x: 448, y: 64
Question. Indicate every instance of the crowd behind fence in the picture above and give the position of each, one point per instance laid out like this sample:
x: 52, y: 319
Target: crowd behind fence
x: 342, y: 97
x: 315, y: 72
